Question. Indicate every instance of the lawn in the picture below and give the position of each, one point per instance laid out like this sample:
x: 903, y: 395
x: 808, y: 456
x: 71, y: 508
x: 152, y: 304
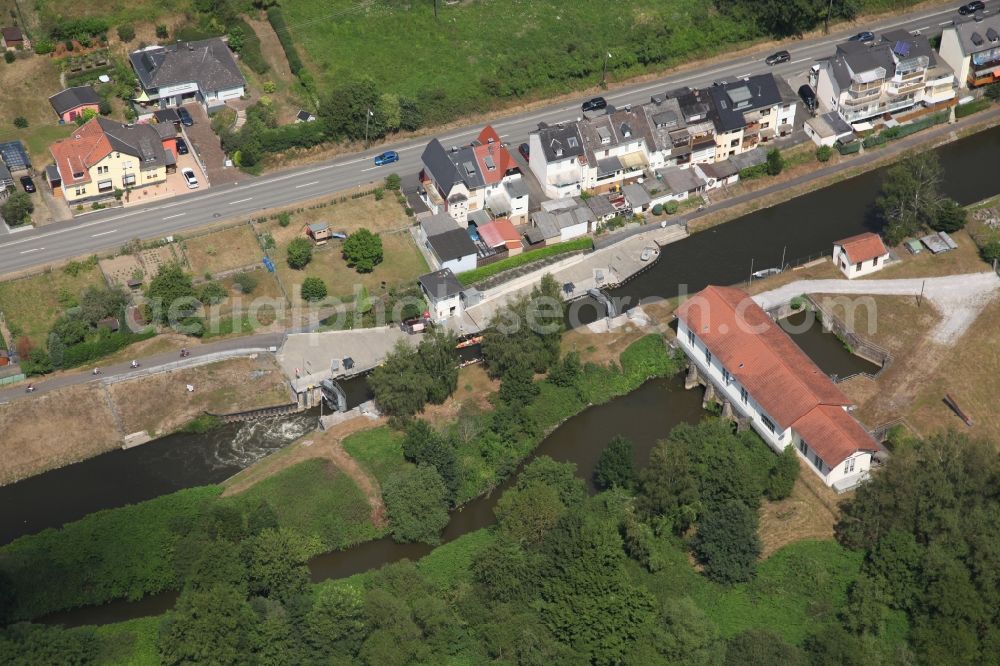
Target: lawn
x: 379, y: 451
x: 965, y: 259
x: 31, y: 305
x: 402, y: 263
x: 315, y: 498
x: 222, y: 251
x: 342, y: 213
x: 116, y: 11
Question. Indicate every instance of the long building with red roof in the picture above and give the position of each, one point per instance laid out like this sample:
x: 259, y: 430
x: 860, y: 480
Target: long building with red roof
x: 759, y: 371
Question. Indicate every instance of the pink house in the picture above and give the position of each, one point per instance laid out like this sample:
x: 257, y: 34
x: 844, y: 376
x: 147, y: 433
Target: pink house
x: 72, y: 102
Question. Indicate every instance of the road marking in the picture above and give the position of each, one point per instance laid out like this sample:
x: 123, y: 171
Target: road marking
x: 103, y: 233
x: 799, y: 60
x: 946, y: 23
x: 370, y: 168
x: 35, y: 249
x: 238, y: 201
x: 315, y: 182
x: 169, y: 217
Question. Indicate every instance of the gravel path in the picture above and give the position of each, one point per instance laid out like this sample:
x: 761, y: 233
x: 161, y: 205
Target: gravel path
x: 959, y: 298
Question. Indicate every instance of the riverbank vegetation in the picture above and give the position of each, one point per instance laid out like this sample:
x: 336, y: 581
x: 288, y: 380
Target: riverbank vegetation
x: 911, y: 201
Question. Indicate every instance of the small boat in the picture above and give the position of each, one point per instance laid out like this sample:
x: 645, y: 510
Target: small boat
x: 648, y: 253
x: 470, y: 342
x: 767, y: 272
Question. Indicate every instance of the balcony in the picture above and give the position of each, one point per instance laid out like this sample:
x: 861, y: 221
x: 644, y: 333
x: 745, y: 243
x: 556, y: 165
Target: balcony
x: 906, y: 88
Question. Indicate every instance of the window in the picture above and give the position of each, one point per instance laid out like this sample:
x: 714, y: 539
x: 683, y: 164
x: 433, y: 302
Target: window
x: 734, y: 143
x: 129, y: 179
x: 690, y: 337
x: 858, y: 266
x: 80, y: 191
x: 818, y: 462
x: 744, y: 396
x: 765, y: 125
x: 803, y: 447
x: 727, y: 377
x: 768, y: 423
x: 848, y: 465
x: 875, y: 261
x: 708, y: 357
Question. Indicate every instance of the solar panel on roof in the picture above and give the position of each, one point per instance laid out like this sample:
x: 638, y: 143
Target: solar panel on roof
x: 901, y: 49
x: 14, y: 156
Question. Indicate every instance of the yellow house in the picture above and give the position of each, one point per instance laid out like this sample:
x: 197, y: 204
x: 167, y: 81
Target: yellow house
x: 104, y: 155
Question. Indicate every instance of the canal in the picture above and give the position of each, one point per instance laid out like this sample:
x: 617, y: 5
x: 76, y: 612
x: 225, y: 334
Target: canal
x: 801, y: 227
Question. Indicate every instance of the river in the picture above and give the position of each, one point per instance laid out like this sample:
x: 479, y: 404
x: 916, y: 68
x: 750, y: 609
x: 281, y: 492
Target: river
x: 798, y: 228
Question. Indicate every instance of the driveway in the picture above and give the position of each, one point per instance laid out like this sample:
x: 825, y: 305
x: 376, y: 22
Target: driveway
x: 203, y: 140
x: 959, y: 298
x: 175, y: 185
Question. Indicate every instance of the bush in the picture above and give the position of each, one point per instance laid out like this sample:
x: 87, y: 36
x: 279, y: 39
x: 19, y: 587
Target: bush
x: 658, y: 209
x: 247, y: 282
x: 284, y: 219
x: 313, y: 289
x: 670, y: 207
x: 363, y: 250
x: 775, y: 162
x: 873, y: 140
x: 9, y: 57
x: 614, y: 468
x: 849, y: 148
x: 727, y: 543
x: 44, y: 46
x: 299, y: 253
x: 211, y: 293
x: 416, y: 502
x: 20, y: 122
x: 824, y: 153
x: 393, y: 182
x: 161, y: 32
x: 126, y: 33
x: 247, y: 45
x: 17, y: 209
x: 964, y: 110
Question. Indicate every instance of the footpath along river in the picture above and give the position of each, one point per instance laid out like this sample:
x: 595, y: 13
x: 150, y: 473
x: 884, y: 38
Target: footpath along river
x: 802, y: 227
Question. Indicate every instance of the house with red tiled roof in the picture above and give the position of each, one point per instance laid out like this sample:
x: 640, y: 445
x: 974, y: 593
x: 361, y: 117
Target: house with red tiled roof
x: 501, y: 235
x: 104, y: 155
x: 482, y: 175
x: 759, y: 374
x: 860, y: 255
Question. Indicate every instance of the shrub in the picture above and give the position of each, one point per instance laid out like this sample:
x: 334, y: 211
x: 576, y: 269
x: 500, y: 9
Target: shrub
x: 658, y: 209
x: 284, y: 219
x: 670, y: 207
x: 379, y: 193
x: 299, y: 253
x: 849, y: 148
x: 20, y: 122
x: 211, y: 293
x: 393, y: 182
x: 17, y: 209
x: 775, y: 162
x: 873, y: 140
x: 247, y: 282
x: 824, y: 153
x: 44, y: 46
x: 727, y: 543
x: 270, y: 87
x: 277, y: 20
x: 126, y: 33
x: 161, y: 32
x: 614, y: 467
x: 363, y: 250
x: 313, y: 289
x: 964, y: 110
x: 417, y: 504
x: 9, y: 57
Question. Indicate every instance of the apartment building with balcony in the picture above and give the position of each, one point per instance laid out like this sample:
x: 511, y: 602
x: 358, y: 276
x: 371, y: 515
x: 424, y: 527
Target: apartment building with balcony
x: 749, y: 112
x: 617, y: 147
x: 896, y: 75
x: 972, y: 49
x: 556, y: 157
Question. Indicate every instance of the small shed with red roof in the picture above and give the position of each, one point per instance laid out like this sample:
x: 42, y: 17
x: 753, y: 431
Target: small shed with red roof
x: 860, y: 255
x: 500, y: 234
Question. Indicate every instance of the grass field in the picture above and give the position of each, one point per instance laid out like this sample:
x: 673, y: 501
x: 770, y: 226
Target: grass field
x: 222, y: 250
x: 379, y: 451
x: 31, y: 305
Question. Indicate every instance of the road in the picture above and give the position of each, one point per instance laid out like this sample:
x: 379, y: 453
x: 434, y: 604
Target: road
x: 103, y: 230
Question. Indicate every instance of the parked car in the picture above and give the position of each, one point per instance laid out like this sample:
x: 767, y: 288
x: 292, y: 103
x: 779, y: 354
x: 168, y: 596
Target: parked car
x: 595, y: 104
x: 778, y: 57
x: 388, y: 157
x: 865, y: 37
x: 27, y: 184
x: 339, y: 235
x: 808, y: 96
x: 182, y: 147
x: 523, y: 149
x: 190, y: 178
x: 185, y: 117
x: 971, y: 8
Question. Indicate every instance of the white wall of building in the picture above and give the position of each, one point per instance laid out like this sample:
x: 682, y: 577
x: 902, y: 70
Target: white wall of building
x: 852, y: 270
x: 460, y: 265
x: 573, y: 231
x: 444, y: 308
x: 951, y: 52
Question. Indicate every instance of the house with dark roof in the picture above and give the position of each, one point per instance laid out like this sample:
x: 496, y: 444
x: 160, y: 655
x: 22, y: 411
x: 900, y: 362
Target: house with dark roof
x: 453, y: 249
x: 468, y: 178
x: 894, y: 76
x: 72, y: 102
x: 761, y: 377
x: 971, y: 47
x: 556, y: 157
x: 103, y: 155
x: 203, y: 71
x: 750, y: 111
x: 860, y: 255
x: 443, y: 292
x: 11, y: 38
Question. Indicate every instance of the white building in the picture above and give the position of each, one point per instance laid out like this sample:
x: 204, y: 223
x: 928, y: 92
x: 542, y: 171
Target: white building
x: 972, y: 49
x: 862, y: 82
x: 860, y: 255
x: 444, y: 294
x: 749, y: 112
x: 203, y: 71
x: 759, y: 374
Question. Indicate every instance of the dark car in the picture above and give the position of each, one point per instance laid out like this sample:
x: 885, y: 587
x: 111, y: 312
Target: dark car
x: 388, y: 157
x: 185, y: 117
x: 523, y: 149
x: 808, y: 97
x: 27, y: 184
x: 595, y: 104
x: 182, y: 147
x: 778, y: 57
x: 971, y: 8
x: 866, y: 37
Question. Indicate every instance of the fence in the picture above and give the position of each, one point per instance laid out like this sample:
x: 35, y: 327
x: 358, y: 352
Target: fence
x: 12, y: 379
x: 860, y: 346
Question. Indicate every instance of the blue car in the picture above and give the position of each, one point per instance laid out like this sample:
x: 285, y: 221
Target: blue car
x: 388, y: 157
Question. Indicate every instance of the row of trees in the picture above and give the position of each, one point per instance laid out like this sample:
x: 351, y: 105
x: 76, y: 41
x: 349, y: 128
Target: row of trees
x: 911, y: 199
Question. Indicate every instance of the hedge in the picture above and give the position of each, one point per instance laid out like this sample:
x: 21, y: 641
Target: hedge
x: 873, y: 140
x: 478, y: 274
x: 277, y: 19
x: 251, y: 54
x: 964, y: 110
x: 109, y: 343
x: 849, y: 148
x: 753, y: 172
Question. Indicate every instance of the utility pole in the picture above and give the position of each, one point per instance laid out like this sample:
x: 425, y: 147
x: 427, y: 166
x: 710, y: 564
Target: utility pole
x: 826, y: 23
x: 367, y: 118
x: 751, y: 272
x: 920, y: 298
x: 781, y: 267
x: 435, y: 9
x: 604, y: 76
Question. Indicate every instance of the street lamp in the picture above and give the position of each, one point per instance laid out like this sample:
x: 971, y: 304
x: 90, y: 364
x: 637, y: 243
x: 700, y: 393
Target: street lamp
x: 604, y: 77
x: 367, y: 118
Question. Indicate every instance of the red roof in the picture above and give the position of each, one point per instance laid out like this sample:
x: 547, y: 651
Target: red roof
x: 86, y: 147
x: 863, y: 247
x: 500, y: 232
x: 491, y: 149
x: 785, y: 382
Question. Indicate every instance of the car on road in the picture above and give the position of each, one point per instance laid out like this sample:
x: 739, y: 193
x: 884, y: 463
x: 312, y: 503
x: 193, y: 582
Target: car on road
x: 778, y: 57
x: 388, y: 157
x: 185, y: 117
x: 27, y: 184
x: 182, y: 147
x: 808, y: 96
x: 190, y: 178
x: 971, y: 8
x: 865, y: 37
x: 595, y: 104
x: 523, y: 149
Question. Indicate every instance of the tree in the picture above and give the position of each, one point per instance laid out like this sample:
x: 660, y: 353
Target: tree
x: 37, y: 363
x: 313, y: 289
x: 909, y: 196
x: 668, y: 487
x: 567, y: 372
x: 526, y: 331
x: 207, y: 626
x: 517, y: 387
x: 126, y: 33
x: 416, y: 502
x: 440, y: 363
x: 26, y: 643
x: 212, y: 292
x: 97, y: 303
x: 400, y: 384
x: 614, y: 468
x: 349, y: 109
x: 760, y: 647
x: 545, y: 471
x: 17, y: 209
x: 782, y: 476
x: 727, y: 544
x: 237, y: 38
x: 276, y: 564
x: 85, y: 116
x: 949, y: 217
x: 423, y: 446
x: 20, y: 122
x: 335, y: 625
x: 246, y: 281
x: 56, y: 349
x: 866, y: 610
x: 526, y: 515
x: 775, y: 163
x: 363, y: 250
x: 299, y: 253
x: 504, y: 570
x: 824, y: 153
x: 686, y: 635
x: 990, y: 251
x: 172, y: 294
